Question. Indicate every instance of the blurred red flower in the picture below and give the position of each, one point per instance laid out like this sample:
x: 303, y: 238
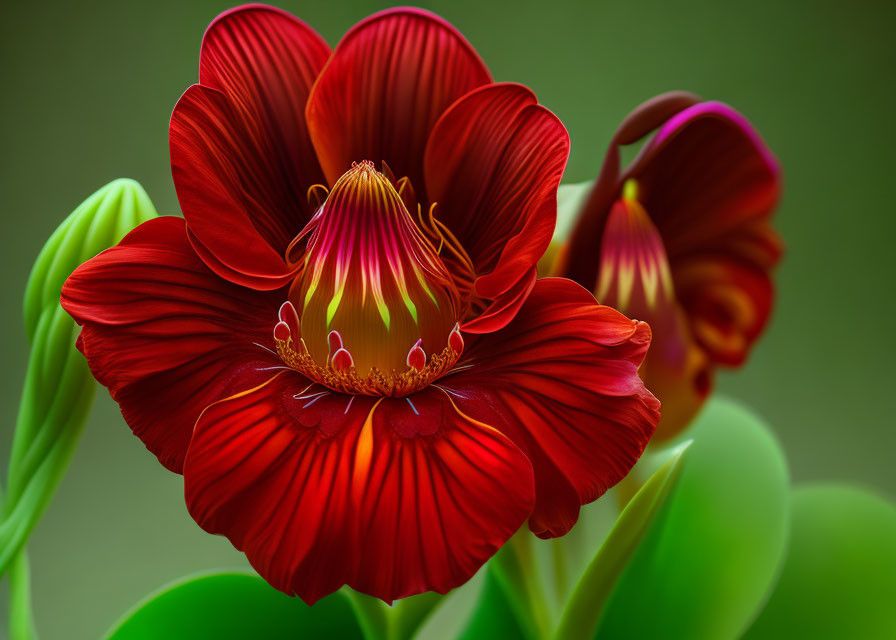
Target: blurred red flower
x: 363, y: 385
x: 682, y: 239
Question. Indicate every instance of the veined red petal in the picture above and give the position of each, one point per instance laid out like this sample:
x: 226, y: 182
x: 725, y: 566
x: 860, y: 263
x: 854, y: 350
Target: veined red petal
x: 271, y: 469
x: 440, y: 494
x: 705, y: 175
x: 493, y: 164
x: 390, y: 78
x: 165, y: 334
x: 392, y: 497
x: 561, y: 381
x: 232, y: 202
x: 504, y: 308
x: 240, y: 152
x: 710, y: 185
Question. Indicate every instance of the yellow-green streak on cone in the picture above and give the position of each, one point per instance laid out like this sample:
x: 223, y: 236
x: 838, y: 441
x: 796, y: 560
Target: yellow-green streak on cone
x: 59, y: 389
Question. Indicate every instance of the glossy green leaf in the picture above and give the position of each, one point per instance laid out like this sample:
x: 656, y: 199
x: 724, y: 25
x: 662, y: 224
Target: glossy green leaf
x: 238, y: 605
x: 454, y: 612
x: 839, y: 577
x: 708, y: 560
x: 494, y: 615
x: 399, y: 621
x: 372, y: 614
x: 408, y: 614
x: 563, y: 560
x: 582, y: 613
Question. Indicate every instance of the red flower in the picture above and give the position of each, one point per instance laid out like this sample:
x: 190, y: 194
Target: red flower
x: 365, y: 385
x: 685, y: 242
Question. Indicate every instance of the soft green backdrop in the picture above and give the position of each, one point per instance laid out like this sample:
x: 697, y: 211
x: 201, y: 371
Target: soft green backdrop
x: 87, y: 89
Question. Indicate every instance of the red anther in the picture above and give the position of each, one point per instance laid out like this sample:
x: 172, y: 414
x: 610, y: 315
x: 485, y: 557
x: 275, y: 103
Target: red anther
x: 342, y: 360
x: 281, y: 331
x: 455, y: 340
x: 288, y: 315
x: 416, y: 356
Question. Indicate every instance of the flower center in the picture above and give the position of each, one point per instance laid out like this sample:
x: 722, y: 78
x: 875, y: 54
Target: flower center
x: 373, y: 309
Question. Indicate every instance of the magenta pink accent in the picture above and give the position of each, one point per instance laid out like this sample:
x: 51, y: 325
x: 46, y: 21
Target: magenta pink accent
x: 724, y: 112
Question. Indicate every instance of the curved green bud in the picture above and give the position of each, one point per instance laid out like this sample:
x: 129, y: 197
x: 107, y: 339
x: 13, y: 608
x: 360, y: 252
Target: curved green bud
x: 59, y: 388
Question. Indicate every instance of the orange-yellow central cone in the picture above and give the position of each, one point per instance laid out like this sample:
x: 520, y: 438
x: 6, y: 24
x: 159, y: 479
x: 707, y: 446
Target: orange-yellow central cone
x: 373, y: 303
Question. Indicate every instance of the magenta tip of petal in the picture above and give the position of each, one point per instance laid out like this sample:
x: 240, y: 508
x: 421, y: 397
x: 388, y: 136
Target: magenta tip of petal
x: 721, y: 110
x: 281, y: 331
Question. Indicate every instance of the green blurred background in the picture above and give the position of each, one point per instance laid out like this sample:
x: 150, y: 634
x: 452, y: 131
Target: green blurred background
x: 87, y: 89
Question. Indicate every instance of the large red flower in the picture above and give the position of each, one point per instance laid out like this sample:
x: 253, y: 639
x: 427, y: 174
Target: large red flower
x: 682, y: 239
x: 355, y: 369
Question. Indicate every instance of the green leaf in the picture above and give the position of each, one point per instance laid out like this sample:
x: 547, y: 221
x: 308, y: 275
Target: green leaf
x: 515, y: 569
x: 709, y: 559
x: 494, y: 615
x: 839, y: 578
x: 234, y: 604
x: 455, y: 611
x: 372, y: 614
x: 563, y: 560
x: 582, y: 613
x: 409, y: 614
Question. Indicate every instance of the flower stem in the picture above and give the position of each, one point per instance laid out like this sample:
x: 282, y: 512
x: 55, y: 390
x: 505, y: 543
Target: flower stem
x: 21, y: 618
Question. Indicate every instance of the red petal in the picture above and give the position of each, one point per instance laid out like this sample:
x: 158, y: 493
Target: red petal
x: 561, y: 381
x: 504, y: 308
x: 710, y: 185
x: 706, y: 174
x: 493, y: 164
x: 240, y: 152
x: 165, y: 334
x: 390, y: 78
x: 728, y: 302
x: 271, y: 469
x: 389, y: 497
x: 441, y: 494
